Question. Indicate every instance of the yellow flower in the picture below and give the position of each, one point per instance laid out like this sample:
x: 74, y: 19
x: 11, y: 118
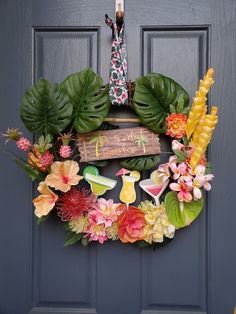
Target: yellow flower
x: 45, y: 202
x: 63, y: 175
x: 112, y: 231
x: 79, y: 225
x: 158, y: 224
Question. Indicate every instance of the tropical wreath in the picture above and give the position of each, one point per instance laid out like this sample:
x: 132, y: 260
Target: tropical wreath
x: 57, y: 113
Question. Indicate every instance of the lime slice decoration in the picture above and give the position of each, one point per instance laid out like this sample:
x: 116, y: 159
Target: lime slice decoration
x: 136, y: 175
x: 90, y: 170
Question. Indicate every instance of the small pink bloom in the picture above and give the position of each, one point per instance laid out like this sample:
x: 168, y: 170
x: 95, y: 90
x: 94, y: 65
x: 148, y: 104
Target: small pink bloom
x: 65, y: 151
x: 184, y: 190
x: 177, y: 145
x: 178, y: 170
x: 23, y: 144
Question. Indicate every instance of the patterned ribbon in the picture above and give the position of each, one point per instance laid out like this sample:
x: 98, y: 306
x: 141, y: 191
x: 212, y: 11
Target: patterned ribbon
x: 118, y: 92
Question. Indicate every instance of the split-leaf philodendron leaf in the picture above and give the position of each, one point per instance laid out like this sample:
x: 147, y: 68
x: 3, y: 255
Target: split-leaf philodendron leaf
x: 45, y: 108
x: 91, y: 105
x: 155, y: 97
x: 140, y: 163
x: 181, y: 217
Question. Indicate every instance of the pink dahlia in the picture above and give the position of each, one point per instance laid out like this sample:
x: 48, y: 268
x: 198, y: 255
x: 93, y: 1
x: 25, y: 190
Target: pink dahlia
x: 23, y: 144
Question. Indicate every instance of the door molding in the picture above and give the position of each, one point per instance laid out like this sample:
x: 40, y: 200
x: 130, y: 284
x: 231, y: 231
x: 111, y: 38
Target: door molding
x: 170, y: 312
x: 53, y: 310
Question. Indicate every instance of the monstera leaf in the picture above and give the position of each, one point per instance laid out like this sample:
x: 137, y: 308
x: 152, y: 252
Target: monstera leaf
x: 45, y: 108
x: 181, y: 217
x: 90, y: 105
x: 154, y: 97
x: 140, y: 163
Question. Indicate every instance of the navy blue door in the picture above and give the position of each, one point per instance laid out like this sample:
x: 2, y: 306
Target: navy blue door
x: 196, y: 272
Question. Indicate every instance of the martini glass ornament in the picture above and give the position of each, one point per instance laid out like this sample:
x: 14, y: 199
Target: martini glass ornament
x: 154, y: 190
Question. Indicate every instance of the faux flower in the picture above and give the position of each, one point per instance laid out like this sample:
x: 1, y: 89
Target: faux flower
x: 80, y: 224
x: 46, y: 159
x: 178, y: 170
x: 131, y: 224
x: 23, y: 144
x: 183, y: 188
x: 176, y: 125
x: 96, y: 230
x: 45, y: 202
x: 74, y: 203
x: 175, y: 145
x: 200, y: 180
x: 101, y: 221
x: 12, y: 134
x: 109, y: 211
x: 161, y: 175
x: 65, y: 151
x: 157, y: 223
x: 34, y: 160
x: 63, y: 175
x: 112, y: 231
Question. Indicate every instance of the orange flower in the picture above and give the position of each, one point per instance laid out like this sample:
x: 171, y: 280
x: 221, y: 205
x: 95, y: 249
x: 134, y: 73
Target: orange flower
x: 176, y: 125
x: 63, y: 175
x: 45, y: 202
x: 131, y: 224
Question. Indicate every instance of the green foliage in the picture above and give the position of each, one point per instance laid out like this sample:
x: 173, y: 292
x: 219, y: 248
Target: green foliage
x: 181, y: 155
x: 72, y: 238
x: 155, y: 97
x: 45, y: 108
x: 140, y: 163
x: 181, y: 217
x: 41, y: 219
x: 91, y: 105
x: 208, y: 168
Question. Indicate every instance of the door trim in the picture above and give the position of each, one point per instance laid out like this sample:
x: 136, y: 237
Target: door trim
x: 53, y: 310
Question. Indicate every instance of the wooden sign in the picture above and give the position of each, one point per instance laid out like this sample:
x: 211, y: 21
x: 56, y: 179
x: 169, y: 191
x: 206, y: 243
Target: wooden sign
x: 121, y: 143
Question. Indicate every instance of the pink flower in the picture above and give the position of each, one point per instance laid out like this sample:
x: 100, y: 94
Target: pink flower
x: 184, y: 189
x: 177, y: 145
x: 101, y: 218
x: 178, y: 170
x: 107, y: 211
x: 23, y: 144
x: 96, y: 230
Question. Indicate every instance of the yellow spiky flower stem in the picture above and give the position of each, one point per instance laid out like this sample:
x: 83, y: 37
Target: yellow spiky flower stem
x: 198, y: 128
x: 204, y: 137
x: 199, y: 102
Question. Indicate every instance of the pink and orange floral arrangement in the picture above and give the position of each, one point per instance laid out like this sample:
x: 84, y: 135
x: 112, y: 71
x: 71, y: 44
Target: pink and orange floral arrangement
x: 53, y: 161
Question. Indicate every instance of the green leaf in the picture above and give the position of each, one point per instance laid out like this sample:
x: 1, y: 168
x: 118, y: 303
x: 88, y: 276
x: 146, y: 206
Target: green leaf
x: 41, y: 219
x: 91, y: 105
x: 45, y: 108
x: 181, y: 217
x: 154, y: 97
x: 72, y: 238
x: 85, y: 241
x: 208, y: 168
x: 140, y: 163
x: 182, y: 156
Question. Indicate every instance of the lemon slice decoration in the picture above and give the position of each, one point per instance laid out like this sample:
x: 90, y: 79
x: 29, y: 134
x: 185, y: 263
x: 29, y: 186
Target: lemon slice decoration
x: 136, y: 175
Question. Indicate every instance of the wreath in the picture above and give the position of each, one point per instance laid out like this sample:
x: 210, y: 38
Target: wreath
x: 58, y: 114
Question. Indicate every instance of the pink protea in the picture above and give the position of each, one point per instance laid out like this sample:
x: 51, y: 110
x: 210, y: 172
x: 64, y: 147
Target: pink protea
x: 65, y: 151
x: 46, y: 159
x: 23, y: 144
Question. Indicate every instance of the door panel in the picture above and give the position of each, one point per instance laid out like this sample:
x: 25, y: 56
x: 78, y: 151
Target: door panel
x: 195, y: 272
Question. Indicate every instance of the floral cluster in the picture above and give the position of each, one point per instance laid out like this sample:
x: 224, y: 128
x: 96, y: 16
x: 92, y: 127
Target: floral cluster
x: 176, y: 186
x: 186, y: 181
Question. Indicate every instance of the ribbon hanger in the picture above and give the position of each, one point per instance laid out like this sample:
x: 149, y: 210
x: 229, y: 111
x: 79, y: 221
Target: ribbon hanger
x: 118, y: 92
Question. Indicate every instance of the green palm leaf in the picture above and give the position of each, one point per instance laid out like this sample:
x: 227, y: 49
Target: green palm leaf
x: 154, y: 97
x: 45, y: 108
x: 91, y: 106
